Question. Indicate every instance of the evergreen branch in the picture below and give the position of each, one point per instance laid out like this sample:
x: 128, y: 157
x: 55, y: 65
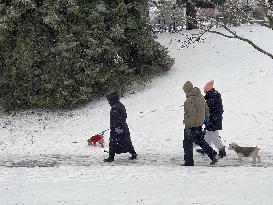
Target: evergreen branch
x: 266, y: 25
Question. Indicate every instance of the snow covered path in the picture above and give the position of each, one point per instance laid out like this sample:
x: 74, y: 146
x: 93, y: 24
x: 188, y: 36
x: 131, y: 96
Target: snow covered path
x: 151, y: 160
x: 44, y: 157
x: 136, y: 185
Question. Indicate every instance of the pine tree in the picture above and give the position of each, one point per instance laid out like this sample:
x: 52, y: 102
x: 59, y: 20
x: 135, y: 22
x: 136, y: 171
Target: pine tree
x: 60, y: 53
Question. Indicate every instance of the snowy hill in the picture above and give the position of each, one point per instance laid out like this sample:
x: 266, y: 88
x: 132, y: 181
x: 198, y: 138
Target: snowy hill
x: 67, y: 171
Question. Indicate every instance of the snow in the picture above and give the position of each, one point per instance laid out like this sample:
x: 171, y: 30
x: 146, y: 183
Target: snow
x: 40, y: 164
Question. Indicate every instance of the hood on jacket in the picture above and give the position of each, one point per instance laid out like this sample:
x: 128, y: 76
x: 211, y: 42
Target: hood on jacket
x: 112, y: 97
x: 195, y: 92
x: 187, y: 87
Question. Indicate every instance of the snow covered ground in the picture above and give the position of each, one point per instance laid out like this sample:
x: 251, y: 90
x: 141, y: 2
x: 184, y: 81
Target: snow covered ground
x: 45, y: 159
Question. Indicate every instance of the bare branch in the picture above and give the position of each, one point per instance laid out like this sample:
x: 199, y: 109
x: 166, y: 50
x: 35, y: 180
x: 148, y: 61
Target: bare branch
x: 268, y: 23
x: 235, y: 36
x: 255, y: 46
x: 221, y: 34
x: 230, y: 31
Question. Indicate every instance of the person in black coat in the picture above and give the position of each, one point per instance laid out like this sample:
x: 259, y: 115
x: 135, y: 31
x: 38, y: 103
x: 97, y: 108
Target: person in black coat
x: 120, y: 140
x: 214, y: 123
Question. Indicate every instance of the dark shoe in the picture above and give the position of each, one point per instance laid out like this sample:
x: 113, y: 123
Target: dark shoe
x: 186, y: 164
x: 109, y: 159
x: 222, y: 152
x: 214, y: 159
x: 201, y: 151
x: 134, y: 156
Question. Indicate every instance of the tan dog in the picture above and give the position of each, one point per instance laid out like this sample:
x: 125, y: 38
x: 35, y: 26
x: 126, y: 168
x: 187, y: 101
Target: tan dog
x: 245, y: 151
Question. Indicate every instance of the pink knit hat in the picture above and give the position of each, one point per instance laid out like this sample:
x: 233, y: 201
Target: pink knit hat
x: 208, y: 86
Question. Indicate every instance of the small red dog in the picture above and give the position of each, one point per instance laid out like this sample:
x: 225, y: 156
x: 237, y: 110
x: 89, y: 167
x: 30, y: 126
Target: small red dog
x: 98, y: 138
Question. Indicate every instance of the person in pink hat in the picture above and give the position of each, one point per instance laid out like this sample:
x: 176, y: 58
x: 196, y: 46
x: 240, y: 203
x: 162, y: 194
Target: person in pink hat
x: 214, y: 123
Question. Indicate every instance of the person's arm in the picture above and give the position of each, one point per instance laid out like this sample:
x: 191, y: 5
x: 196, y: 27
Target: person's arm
x: 115, y: 119
x: 189, y: 113
x: 206, y: 110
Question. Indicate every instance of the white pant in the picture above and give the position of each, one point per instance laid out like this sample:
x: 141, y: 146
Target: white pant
x: 212, y: 137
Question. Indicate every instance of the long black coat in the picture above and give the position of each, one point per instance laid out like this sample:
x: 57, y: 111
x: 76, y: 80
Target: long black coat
x: 214, y: 102
x: 119, y: 142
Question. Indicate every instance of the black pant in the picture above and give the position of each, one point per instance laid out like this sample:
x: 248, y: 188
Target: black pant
x: 195, y: 135
x: 120, y: 145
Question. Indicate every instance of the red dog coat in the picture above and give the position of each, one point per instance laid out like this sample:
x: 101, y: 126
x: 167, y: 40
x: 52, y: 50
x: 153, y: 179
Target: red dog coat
x: 94, y: 139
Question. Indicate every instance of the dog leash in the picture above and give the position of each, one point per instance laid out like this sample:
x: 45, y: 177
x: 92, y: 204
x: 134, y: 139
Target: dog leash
x: 101, y: 133
x: 104, y: 131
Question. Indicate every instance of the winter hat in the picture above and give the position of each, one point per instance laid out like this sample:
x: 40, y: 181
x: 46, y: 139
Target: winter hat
x: 187, y: 87
x: 208, y: 86
x: 112, y: 97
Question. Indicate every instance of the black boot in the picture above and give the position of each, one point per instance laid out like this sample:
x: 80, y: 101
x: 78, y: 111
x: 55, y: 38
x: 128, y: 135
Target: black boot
x: 201, y: 151
x: 187, y: 164
x: 109, y: 159
x: 222, y: 152
x: 134, y: 156
x: 214, y: 159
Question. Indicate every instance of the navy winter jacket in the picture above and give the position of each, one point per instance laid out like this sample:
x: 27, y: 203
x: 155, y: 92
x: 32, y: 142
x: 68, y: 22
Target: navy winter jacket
x: 214, y: 102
